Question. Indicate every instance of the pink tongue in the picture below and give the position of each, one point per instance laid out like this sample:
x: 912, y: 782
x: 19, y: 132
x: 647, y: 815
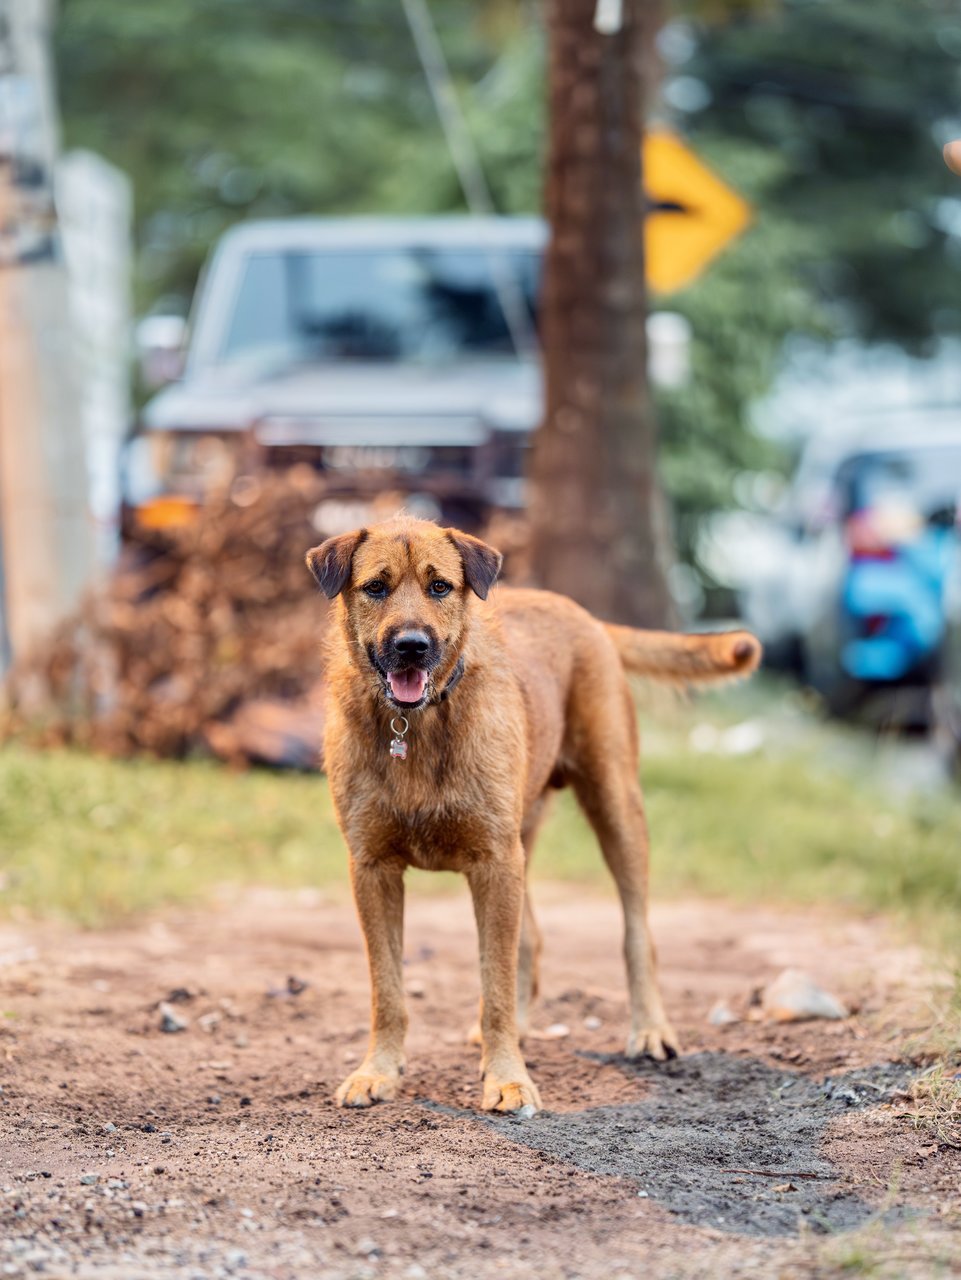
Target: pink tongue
x: 407, y: 686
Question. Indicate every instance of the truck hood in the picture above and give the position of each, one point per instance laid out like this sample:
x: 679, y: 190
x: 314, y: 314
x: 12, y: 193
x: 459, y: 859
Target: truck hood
x: 319, y: 404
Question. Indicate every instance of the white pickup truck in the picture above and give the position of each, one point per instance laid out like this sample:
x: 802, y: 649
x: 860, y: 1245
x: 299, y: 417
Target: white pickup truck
x: 378, y: 350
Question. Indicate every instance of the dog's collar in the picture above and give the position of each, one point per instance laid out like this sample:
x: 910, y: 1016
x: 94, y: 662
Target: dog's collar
x: 456, y: 676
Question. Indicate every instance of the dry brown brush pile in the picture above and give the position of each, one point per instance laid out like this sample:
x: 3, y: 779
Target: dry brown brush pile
x: 187, y: 636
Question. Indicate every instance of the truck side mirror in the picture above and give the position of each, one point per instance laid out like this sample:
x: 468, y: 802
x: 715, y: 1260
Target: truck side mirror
x: 161, y: 348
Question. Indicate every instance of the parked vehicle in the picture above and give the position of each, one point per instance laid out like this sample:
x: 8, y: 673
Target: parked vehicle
x: 386, y: 353
x: 946, y: 694
x: 867, y: 552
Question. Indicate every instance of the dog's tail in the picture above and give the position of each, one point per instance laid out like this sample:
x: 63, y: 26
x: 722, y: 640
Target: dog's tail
x: 671, y: 658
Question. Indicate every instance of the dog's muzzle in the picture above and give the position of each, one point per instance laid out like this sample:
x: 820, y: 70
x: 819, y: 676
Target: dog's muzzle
x: 405, y: 663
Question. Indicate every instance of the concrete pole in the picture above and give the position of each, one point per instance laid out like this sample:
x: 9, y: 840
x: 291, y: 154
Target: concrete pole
x: 44, y: 524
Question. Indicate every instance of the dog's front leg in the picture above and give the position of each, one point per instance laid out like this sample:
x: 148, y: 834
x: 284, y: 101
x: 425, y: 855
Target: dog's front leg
x: 379, y: 894
x: 497, y: 887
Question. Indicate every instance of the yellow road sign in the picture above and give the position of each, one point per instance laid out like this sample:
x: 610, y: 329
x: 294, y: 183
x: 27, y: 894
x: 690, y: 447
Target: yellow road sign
x: 693, y: 213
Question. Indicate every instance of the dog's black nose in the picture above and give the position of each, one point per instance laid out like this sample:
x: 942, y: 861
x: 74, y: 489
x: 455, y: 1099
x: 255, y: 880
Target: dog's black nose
x: 411, y: 644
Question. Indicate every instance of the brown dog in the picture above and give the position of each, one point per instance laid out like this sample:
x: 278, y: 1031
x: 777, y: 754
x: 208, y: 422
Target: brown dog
x: 449, y: 723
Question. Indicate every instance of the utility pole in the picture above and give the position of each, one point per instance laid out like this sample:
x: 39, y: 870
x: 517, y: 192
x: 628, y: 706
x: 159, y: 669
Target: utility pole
x: 598, y: 522
x: 46, y: 537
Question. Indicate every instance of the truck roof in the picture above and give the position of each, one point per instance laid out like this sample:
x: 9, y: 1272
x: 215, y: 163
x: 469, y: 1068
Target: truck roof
x: 393, y: 232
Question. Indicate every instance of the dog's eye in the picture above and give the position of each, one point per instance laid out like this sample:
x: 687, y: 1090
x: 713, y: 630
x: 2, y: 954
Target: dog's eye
x: 440, y: 588
x: 376, y: 589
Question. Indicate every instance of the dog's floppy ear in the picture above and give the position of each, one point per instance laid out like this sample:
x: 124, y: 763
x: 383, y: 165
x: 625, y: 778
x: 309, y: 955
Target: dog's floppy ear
x: 330, y: 562
x: 482, y: 563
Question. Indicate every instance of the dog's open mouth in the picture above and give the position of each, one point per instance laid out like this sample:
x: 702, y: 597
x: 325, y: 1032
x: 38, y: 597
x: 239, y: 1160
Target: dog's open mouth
x: 407, y: 686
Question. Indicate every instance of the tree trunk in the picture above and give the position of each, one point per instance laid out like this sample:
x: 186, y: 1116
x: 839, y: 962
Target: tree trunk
x: 596, y: 512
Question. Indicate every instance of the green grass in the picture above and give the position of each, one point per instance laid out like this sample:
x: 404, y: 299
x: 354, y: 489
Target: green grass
x: 94, y: 840
x: 752, y: 829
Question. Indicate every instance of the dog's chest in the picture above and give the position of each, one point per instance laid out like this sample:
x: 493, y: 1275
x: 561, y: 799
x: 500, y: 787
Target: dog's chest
x: 439, y: 840
x: 444, y: 828
x: 455, y: 796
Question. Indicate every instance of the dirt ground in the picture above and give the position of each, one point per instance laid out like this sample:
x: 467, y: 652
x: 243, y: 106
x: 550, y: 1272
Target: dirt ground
x: 127, y: 1151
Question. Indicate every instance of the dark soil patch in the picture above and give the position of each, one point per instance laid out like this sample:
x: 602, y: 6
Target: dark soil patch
x: 724, y: 1142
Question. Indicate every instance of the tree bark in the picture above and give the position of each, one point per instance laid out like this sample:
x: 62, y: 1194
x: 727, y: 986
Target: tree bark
x: 595, y: 507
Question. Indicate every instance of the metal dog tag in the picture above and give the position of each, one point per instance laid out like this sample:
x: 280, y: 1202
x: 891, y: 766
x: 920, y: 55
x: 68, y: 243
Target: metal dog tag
x: 398, y: 747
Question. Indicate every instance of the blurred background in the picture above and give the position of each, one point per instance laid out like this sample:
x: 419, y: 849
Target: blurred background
x: 272, y: 269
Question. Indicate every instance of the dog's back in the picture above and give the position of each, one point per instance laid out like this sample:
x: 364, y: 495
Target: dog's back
x: 550, y: 630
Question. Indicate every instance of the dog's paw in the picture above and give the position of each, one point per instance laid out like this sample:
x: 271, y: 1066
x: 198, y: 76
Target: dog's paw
x: 511, y: 1095
x: 659, y: 1042
x: 366, y: 1086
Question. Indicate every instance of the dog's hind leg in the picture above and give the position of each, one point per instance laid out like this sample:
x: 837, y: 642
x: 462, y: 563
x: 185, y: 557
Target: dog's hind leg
x: 607, y: 787
x: 528, y: 965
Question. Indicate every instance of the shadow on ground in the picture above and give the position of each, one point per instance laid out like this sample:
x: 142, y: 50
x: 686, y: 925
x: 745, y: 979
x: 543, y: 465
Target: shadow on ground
x: 723, y: 1142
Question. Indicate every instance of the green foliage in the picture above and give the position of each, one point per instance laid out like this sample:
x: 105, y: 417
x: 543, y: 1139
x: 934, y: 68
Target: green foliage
x: 823, y: 115
x: 227, y: 109
x: 854, y: 100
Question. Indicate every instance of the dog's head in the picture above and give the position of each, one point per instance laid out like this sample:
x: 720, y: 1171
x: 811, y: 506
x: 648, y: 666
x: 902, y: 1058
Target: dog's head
x: 406, y: 588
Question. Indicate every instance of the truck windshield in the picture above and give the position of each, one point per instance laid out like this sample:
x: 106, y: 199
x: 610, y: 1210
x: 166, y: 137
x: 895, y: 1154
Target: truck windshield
x: 405, y: 304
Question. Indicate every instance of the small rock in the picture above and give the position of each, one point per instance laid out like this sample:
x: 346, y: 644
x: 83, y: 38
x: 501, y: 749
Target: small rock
x: 90, y: 1179
x: 241, y: 1041
x: 527, y: 1112
x: 170, y: 1020
x: 415, y: 1272
x: 296, y: 986
x: 208, y: 1021
x: 245, y: 1101
x: 110, y: 1127
x: 180, y: 995
x: 793, y: 996
x: 415, y: 988
x: 643, y: 1195
x: 213, y: 1099
x: 148, y: 1128
x: 368, y: 1248
x: 592, y: 1023
x: 557, y: 1031
x: 721, y: 1014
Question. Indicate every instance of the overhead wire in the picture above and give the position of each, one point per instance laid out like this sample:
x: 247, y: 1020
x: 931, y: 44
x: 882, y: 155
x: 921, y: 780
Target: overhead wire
x: 470, y: 173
